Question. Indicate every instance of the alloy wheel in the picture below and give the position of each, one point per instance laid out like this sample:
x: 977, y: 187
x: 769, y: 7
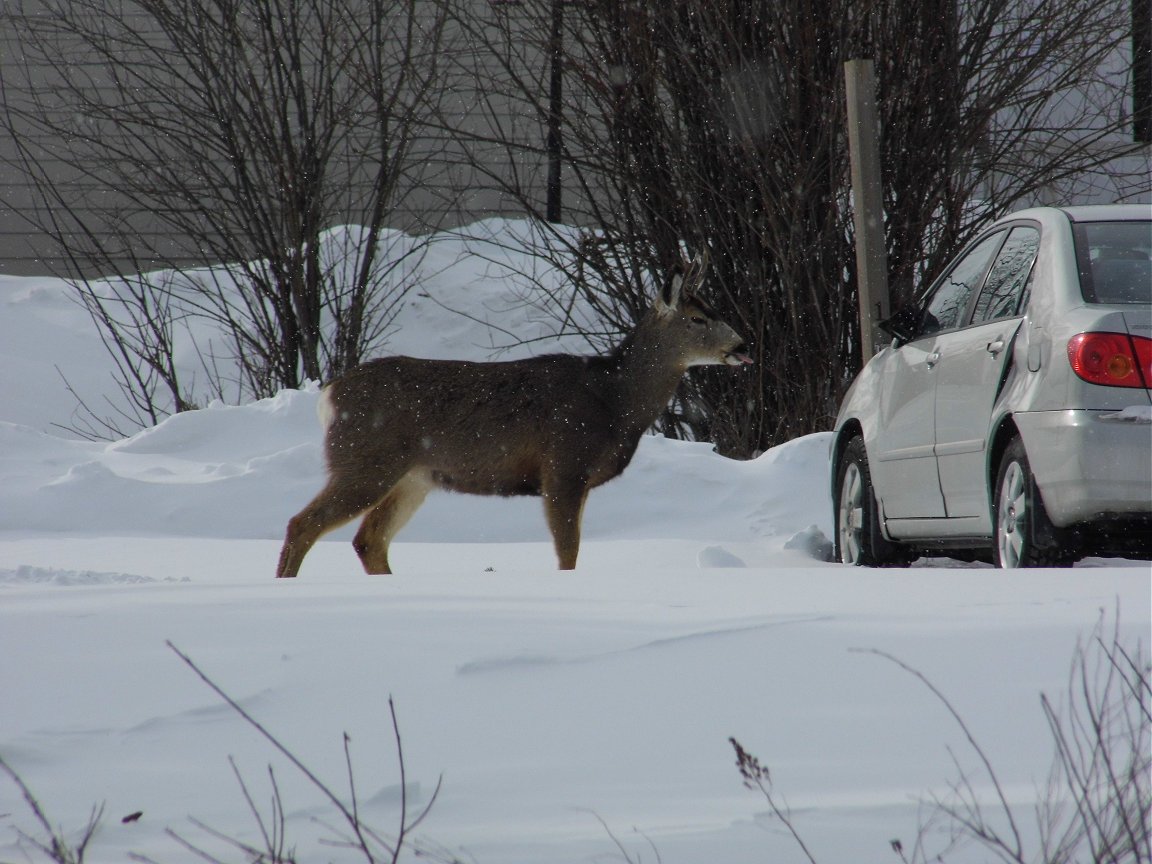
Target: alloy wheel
x: 1012, y: 516
x: 851, y: 514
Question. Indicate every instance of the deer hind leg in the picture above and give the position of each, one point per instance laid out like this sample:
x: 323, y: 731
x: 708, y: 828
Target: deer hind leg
x: 385, y: 520
x: 564, y: 509
x: 339, y: 502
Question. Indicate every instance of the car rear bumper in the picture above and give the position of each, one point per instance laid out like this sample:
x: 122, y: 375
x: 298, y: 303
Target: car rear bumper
x: 1091, y: 466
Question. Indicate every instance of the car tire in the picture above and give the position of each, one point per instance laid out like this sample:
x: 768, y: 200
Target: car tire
x: 859, y: 539
x: 1023, y: 535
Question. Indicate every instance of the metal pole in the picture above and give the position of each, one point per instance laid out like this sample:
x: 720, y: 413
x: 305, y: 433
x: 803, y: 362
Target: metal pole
x: 867, y: 195
x: 554, y: 144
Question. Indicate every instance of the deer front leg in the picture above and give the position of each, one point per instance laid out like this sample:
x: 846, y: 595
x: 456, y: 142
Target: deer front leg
x: 564, y: 509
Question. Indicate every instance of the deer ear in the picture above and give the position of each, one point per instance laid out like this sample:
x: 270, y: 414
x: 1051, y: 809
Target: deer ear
x: 685, y: 277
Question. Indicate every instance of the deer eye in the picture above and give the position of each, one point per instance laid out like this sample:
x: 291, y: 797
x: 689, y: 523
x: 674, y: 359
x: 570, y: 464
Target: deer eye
x: 699, y: 319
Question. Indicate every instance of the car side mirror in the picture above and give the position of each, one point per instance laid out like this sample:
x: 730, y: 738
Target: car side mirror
x: 904, y: 326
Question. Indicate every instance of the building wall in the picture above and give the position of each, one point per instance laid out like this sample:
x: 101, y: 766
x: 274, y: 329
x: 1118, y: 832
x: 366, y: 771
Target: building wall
x: 457, y: 174
x: 460, y: 174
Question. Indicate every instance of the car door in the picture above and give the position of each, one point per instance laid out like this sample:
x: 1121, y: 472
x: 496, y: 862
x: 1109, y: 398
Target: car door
x: 970, y: 367
x: 905, y: 472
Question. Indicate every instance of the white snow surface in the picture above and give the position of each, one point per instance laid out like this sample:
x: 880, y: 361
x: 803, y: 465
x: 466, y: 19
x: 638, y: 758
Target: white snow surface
x: 571, y: 717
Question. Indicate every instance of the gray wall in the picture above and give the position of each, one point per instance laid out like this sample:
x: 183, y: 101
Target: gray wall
x: 459, y: 175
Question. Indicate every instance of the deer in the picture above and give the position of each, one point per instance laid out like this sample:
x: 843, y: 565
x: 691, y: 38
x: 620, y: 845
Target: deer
x: 554, y: 426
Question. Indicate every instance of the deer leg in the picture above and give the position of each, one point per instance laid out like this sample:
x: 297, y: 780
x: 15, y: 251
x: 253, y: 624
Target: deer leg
x: 339, y: 502
x: 564, y: 509
x: 385, y: 520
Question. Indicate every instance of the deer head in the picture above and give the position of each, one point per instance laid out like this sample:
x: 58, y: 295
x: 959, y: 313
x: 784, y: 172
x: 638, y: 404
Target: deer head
x: 706, y: 340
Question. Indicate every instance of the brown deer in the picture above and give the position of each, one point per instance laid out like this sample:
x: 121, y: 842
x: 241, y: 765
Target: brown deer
x: 555, y: 426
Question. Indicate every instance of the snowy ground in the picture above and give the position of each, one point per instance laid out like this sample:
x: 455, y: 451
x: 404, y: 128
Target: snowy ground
x: 557, y: 707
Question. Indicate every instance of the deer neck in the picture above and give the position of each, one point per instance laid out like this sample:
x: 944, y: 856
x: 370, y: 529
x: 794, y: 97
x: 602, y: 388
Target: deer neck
x: 646, y: 377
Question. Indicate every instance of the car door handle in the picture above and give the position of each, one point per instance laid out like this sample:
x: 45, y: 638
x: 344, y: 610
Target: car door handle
x: 932, y: 359
x: 995, y: 346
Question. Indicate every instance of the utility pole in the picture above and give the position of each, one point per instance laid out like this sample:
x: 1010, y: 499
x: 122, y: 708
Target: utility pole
x: 554, y: 144
x: 868, y: 202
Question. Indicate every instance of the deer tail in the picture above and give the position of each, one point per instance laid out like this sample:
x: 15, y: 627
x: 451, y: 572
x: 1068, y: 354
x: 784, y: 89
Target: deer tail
x: 325, y: 409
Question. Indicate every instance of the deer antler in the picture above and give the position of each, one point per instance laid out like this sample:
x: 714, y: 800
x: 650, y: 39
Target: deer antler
x: 695, y: 271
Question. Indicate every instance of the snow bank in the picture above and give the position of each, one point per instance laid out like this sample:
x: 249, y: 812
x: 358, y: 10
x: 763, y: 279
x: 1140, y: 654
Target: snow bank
x: 241, y: 472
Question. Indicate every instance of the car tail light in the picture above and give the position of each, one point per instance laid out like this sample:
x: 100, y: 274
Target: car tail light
x: 1112, y: 359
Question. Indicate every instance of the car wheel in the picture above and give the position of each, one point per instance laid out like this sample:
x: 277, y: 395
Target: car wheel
x: 1024, y: 536
x: 858, y: 536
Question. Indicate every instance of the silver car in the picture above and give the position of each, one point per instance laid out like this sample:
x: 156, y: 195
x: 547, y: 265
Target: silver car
x: 1011, y: 416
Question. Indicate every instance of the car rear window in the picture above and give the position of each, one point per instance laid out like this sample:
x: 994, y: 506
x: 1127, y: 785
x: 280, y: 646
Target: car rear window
x: 1115, y: 261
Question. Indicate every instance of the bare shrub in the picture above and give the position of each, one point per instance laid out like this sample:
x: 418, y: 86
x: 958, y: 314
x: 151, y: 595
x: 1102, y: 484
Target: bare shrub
x: 352, y: 833
x: 54, y: 844
x: 719, y: 124
x: 1097, y: 803
x: 370, y: 845
x: 162, y: 137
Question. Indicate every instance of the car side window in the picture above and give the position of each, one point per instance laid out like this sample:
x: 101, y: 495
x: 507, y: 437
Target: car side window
x: 1003, y: 291
x: 950, y: 299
